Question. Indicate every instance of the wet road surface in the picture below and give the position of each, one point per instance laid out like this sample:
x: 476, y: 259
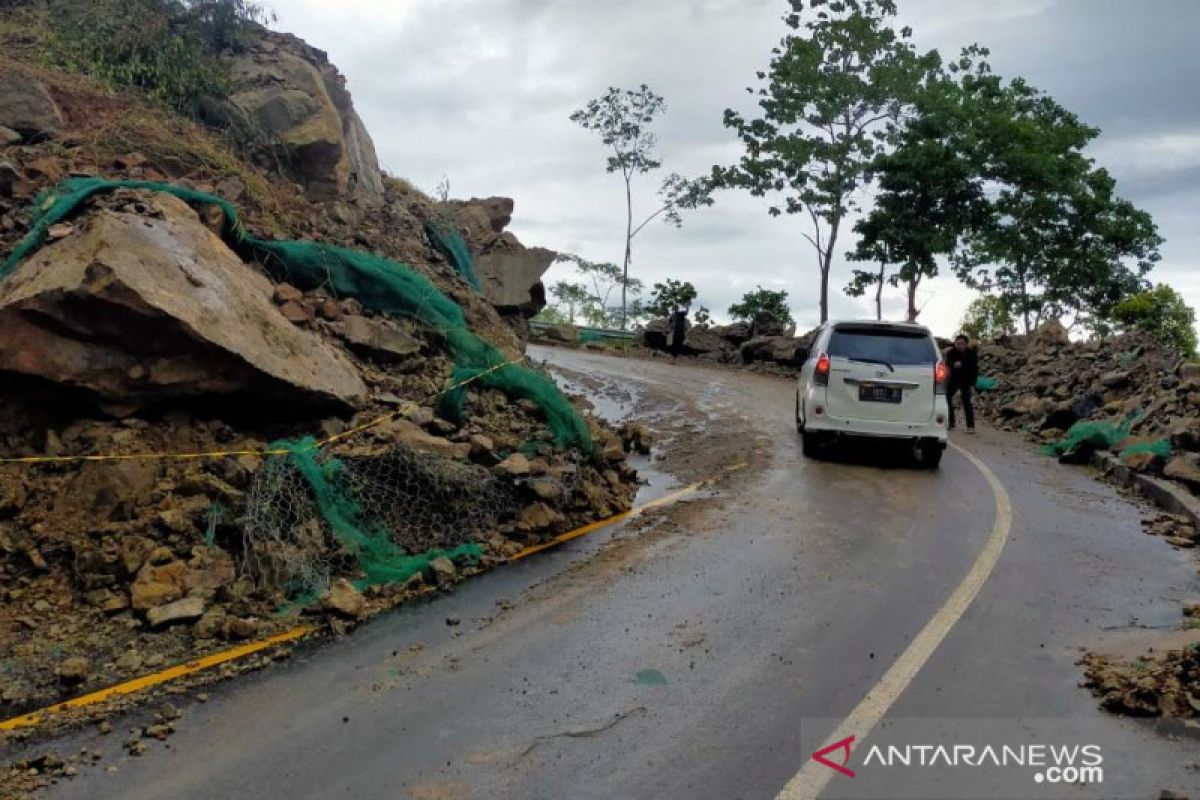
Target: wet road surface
x: 707, y: 651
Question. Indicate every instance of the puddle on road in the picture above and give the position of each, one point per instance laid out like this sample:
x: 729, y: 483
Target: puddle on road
x: 615, y: 405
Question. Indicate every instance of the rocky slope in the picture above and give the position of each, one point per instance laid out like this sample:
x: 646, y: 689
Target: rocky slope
x: 1140, y: 400
x: 136, y: 331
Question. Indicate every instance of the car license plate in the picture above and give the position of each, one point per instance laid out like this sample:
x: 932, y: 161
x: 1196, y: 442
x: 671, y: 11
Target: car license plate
x: 873, y: 393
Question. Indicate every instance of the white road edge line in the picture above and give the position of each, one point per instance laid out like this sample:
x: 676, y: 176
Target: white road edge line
x: 810, y: 781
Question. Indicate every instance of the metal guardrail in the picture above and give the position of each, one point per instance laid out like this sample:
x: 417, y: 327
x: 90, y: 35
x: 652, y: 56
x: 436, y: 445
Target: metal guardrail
x: 605, y: 333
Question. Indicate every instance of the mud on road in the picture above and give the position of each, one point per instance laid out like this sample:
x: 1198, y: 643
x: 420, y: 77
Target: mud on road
x: 697, y: 651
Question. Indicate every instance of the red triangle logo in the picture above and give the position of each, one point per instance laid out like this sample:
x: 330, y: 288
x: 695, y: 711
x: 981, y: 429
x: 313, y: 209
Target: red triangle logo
x: 843, y: 745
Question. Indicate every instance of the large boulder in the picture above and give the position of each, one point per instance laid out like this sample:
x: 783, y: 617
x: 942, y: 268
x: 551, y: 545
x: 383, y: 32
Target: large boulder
x: 291, y: 92
x: 765, y: 324
x: 511, y: 277
x: 510, y: 274
x: 701, y: 339
x: 736, y: 333
x: 25, y: 105
x: 1050, y: 334
x: 787, y: 351
x: 654, y: 334
x: 142, y: 304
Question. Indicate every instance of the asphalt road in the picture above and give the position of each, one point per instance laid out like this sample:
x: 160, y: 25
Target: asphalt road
x: 708, y: 651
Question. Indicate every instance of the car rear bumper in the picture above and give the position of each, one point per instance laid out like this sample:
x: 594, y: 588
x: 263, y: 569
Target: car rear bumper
x: 875, y: 428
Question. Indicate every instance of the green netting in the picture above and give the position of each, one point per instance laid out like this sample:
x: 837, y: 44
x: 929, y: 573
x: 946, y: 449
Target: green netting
x: 1159, y: 447
x: 380, y: 558
x: 454, y: 247
x: 1099, y: 435
x: 378, y: 283
x: 985, y: 384
x: 590, y: 336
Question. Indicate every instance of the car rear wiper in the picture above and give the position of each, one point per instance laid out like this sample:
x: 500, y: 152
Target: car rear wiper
x: 873, y: 361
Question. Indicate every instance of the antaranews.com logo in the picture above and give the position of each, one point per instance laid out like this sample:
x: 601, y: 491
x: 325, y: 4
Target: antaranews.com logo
x: 1078, y: 765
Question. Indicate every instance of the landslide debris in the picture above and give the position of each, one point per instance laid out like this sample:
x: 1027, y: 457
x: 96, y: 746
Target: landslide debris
x: 1125, y: 393
x: 764, y: 341
x: 136, y: 331
x: 1165, y: 685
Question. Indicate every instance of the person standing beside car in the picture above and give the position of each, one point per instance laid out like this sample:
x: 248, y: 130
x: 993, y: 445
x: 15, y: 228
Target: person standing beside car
x: 963, y: 361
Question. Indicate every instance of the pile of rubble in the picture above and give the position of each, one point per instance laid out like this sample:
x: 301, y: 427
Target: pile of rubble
x: 1142, y: 397
x: 136, y: 333
x: 763, y: 341
x: 1166, y: 686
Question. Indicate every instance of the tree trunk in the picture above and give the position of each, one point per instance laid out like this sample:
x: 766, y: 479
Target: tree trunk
x: 628, y: 250
x: 879, y: 293
x: 826, y: 262
x: 1025, y: 303
x: 824, y: 292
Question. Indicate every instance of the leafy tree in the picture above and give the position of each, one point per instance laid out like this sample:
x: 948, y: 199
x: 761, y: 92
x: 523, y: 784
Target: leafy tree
x: 703, y: 316
x: 930, y: 191
x: 1054, y: 238
x: 988, y: 317
x: 553, y: 315
x: 1162, y: 313
x: 574, y: 296
x: 622, y: 118
x: 763, y: 300
x: 665, y: 296
x: 603, y: 279
x: 833, y: 93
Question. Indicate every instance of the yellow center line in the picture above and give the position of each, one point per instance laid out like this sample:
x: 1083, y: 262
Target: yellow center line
x: 810, y: 781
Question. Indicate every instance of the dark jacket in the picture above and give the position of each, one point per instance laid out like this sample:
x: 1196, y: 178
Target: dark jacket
x: 964, y: 366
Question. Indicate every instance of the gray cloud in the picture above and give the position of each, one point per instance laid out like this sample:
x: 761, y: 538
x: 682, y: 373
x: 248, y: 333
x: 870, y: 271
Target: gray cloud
x: 480, y: 91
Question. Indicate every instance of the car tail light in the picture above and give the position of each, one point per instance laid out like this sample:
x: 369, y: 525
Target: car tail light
x: 941, y: 374
x: 821, y: 372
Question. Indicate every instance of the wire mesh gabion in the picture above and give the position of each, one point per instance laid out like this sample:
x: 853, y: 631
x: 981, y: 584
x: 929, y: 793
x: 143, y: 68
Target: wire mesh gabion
x: 420, y: 502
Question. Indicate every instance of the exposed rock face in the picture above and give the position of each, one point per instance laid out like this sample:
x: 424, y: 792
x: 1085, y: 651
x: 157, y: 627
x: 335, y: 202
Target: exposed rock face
x: 295, y: 95
x: 25, y: 105
x: 140, y: 308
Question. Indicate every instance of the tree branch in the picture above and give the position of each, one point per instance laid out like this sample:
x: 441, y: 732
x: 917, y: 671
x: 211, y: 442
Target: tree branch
x: 648, y: 219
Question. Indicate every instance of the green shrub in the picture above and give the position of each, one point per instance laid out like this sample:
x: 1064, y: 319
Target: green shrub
x: 1163, y: 314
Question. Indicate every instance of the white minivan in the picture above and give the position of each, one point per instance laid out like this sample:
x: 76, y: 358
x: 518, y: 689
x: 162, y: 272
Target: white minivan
x: 874, y: 379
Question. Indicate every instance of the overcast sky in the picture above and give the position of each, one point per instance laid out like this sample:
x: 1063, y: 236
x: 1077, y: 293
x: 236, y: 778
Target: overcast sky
x: 480, y: 91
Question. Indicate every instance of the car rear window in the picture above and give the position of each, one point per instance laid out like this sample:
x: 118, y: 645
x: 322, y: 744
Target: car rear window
x: 893, y: 347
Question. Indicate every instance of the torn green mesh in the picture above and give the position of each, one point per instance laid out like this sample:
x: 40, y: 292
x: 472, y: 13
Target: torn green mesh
x: 1098, y: 434
x: 1159, y: 447
x: 378, y: 283
x: 454, y: 247
x: 986, y: 384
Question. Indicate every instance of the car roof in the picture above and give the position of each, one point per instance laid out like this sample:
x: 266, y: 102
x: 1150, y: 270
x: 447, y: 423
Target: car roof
x: 908, y: 327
